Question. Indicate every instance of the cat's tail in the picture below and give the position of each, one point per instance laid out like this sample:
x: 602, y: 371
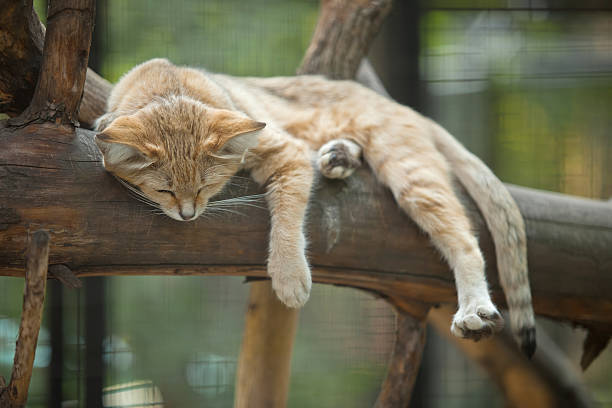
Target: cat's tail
x: 507, y: 229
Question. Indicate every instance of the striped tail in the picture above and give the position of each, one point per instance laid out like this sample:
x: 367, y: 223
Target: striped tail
x: 507, y: 229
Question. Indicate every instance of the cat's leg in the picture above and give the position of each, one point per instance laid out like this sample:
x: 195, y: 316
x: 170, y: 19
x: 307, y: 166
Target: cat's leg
x: 417, y: 175
x: 339, y: 158
x: 283, y: 165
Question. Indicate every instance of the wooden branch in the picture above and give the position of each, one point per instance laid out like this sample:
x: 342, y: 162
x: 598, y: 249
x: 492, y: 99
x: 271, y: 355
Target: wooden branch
x: 21, y: 47
x: 549, y: 380
x: 265, y: 359
x: 60, y: 83
x: 405, y: 361
x: 52, y: 179
x: 343, y: 35
x: 37, y: 257
x: 21, y: 59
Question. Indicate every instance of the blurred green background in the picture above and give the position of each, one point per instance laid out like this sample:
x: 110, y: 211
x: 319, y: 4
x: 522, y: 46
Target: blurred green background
x: 528, y: 87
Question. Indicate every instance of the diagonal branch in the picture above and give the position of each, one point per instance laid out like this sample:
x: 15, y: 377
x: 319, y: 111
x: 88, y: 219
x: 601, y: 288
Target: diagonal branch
x: 37, y: 258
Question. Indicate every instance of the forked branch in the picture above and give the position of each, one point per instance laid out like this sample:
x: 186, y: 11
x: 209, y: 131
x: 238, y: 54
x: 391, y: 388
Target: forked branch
x: 60, y: 83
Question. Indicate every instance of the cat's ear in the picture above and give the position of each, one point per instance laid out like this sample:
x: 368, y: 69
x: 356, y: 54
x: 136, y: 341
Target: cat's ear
x: 230, y: 134
x: 123, y: 147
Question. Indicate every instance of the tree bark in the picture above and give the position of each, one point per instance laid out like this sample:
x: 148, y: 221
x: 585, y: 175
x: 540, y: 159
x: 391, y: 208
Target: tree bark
x: 15, y: 395
x: 345, y: 29
x: 22, y: 37
x: 59, y: 88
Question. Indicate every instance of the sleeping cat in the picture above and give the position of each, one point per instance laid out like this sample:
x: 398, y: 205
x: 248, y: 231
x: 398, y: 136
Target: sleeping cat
x: 179, y: 134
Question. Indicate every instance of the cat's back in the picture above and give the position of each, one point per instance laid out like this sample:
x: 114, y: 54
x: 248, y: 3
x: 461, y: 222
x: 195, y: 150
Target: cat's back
x: 159, y: 78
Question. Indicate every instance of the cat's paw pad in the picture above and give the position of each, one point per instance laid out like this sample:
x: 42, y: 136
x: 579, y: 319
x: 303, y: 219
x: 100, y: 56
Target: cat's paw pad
x: 339, y: 158
x: 291, y: 281
x: 477, y: 321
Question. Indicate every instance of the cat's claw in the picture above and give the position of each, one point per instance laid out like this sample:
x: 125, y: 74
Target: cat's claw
x: 339, y: 158
x: 477, y: 320
x: 291, y: 281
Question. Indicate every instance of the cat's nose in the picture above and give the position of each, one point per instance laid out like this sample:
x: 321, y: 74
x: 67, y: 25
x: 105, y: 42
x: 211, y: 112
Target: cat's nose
x: 187, y: 212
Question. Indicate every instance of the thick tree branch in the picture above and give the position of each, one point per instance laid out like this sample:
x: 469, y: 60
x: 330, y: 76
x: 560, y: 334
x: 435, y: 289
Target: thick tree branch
x: 59, y: 88
x: 50, y: 178
x: 345, y: 29
x: 21, y: 50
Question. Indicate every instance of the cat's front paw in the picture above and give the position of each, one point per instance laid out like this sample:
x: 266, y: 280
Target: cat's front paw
x: 476, y: 320
x: 291, y: 279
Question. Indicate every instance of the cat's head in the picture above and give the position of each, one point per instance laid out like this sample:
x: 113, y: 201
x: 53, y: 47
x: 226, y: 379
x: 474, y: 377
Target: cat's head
x: 177, y: 152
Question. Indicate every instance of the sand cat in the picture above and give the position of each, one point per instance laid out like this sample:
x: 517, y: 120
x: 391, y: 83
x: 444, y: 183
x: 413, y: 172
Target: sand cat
x: 179, y: 134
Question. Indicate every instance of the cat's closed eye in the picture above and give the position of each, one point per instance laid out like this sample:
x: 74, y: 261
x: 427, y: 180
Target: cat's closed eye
x: 167, y: 192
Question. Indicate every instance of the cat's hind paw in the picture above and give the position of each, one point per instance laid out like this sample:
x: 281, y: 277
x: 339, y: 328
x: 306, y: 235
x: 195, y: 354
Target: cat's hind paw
x: 477, y: 322
x: 291, y: 281
x: 339, y: 158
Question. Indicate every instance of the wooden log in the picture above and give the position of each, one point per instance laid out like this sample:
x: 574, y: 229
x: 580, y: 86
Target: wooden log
x: 52, y: 178
x: 548, y: 380
x: 15, y: 395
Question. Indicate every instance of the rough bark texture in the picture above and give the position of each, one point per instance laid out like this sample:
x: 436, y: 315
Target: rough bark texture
x: 22, y: 36
x: 16, y: 393
x: 549, y: 380
x: 59, y: 88
x: 345, y: 29
x: 265, y: 359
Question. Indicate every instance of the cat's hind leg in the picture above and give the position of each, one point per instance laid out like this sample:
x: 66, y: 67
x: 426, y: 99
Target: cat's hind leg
x: 418, y: 176
x: 338, y: 158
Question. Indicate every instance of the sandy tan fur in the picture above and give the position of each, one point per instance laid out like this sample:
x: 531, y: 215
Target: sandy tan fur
x: 185, y: 122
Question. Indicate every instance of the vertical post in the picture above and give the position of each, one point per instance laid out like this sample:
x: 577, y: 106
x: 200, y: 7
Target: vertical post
x: 265, y: 359
x: 60, y: 83
x: 15, y: 395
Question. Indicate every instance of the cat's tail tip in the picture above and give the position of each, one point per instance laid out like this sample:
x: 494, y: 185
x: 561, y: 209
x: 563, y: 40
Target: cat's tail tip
x: 527, y: 340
